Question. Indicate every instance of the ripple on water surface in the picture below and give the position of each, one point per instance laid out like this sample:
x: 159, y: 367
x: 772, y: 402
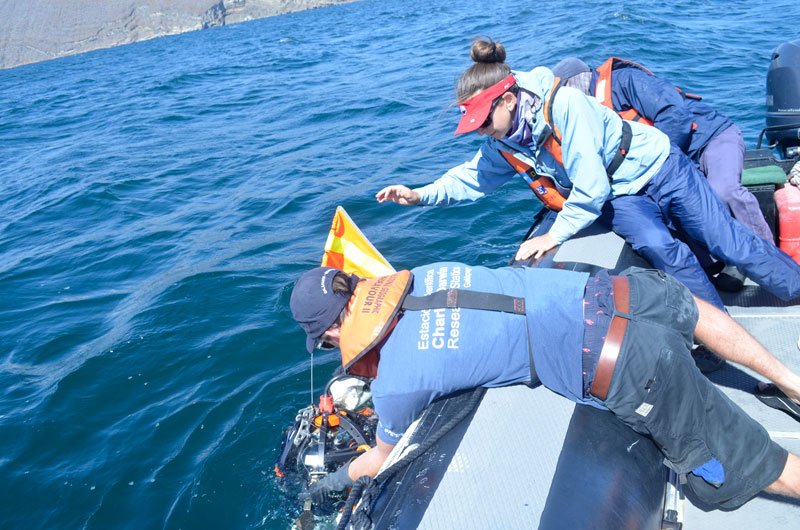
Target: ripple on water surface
x: 159, y: 199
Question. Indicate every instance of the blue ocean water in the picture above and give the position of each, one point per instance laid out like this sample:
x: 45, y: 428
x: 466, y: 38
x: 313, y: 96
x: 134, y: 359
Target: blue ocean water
x: 157, y: 201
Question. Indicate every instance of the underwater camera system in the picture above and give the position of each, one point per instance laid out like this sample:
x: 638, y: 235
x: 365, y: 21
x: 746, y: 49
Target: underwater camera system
x: 783, y: 100
x: 326, y: 436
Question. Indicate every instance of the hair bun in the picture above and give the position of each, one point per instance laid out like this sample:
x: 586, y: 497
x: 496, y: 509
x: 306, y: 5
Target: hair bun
x: 487, y: 51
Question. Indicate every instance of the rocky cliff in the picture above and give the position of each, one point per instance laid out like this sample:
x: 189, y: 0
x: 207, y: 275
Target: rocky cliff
x: 37, y: 30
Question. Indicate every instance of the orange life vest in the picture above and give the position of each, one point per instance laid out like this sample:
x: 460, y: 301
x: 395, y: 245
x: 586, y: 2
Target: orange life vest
x: 372, y: 313
x: 543, y: 186
x: 602, y: 90
x: 374, y: 309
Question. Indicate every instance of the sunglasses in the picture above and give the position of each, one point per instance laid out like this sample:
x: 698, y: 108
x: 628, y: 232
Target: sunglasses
x: 488, y: 120
x: 324, y: 345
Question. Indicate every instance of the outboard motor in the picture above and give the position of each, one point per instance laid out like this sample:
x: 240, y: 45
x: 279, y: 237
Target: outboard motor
x: 783, y: 100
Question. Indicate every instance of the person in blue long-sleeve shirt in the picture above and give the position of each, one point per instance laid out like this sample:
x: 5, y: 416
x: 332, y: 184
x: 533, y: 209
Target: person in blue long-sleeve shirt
x: 666, y: 187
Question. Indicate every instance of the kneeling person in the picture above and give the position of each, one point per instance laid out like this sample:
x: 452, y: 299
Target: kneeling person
x: 446, y: 327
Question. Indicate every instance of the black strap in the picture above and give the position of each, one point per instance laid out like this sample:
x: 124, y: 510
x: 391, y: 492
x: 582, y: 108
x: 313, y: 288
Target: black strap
x: 535, y: 381
x: 461, y: 298
x: 622, y: 151
x: 453, y: 298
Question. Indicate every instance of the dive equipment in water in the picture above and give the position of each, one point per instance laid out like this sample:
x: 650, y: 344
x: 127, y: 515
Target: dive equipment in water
x: 326, y: 437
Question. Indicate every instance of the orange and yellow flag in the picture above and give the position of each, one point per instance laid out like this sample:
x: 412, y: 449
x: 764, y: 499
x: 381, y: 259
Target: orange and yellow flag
x: 349, y: 250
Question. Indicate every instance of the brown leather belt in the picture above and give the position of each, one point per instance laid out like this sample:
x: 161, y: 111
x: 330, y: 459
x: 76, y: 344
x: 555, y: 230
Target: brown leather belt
x: 613, y: 343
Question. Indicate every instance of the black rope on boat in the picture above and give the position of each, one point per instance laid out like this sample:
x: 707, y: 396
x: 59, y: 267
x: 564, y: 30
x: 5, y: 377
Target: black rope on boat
x: 355, y: 495
x: 358, y: 490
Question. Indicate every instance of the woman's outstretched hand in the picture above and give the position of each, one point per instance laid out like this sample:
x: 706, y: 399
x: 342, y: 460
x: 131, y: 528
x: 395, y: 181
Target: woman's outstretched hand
x: 535, y: 247
x: 398, y: 193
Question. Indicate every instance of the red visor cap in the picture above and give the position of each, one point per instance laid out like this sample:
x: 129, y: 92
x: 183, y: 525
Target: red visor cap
x: 475, y: 110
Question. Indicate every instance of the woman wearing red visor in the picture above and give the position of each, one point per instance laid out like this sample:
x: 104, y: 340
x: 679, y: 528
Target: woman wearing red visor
x: 602, y: 165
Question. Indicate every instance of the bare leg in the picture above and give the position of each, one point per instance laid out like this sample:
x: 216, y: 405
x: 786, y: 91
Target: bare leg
x: 722, y: 335
x: 725, y: 337
x: 789, y: 482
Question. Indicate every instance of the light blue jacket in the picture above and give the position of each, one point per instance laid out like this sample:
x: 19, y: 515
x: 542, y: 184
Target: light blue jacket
x: 590, y: 138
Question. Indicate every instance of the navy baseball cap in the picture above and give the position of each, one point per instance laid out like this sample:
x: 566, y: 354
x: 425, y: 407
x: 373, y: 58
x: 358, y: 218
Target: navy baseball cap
x: 314, y: 304
x: 570, y: 67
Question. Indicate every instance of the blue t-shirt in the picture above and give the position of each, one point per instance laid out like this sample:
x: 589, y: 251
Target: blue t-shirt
x: 435, y: 352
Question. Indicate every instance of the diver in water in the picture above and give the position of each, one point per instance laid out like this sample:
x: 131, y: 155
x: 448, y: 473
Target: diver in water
x: 711, y: 140
x: 587, y: 338
x: 624, y: 170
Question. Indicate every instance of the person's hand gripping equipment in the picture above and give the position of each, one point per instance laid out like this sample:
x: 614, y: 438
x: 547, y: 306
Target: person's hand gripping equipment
x: 334, y: 482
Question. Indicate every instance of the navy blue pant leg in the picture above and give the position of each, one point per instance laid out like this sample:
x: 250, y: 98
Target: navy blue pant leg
x: 638, y: 220
x: 685, y: 197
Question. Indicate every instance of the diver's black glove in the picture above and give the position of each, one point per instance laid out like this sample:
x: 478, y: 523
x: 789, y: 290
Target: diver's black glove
x: 319, y: 491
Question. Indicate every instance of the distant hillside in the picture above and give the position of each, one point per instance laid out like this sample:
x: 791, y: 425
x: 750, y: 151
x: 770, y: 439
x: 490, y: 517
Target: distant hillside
x: 37, y: 30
